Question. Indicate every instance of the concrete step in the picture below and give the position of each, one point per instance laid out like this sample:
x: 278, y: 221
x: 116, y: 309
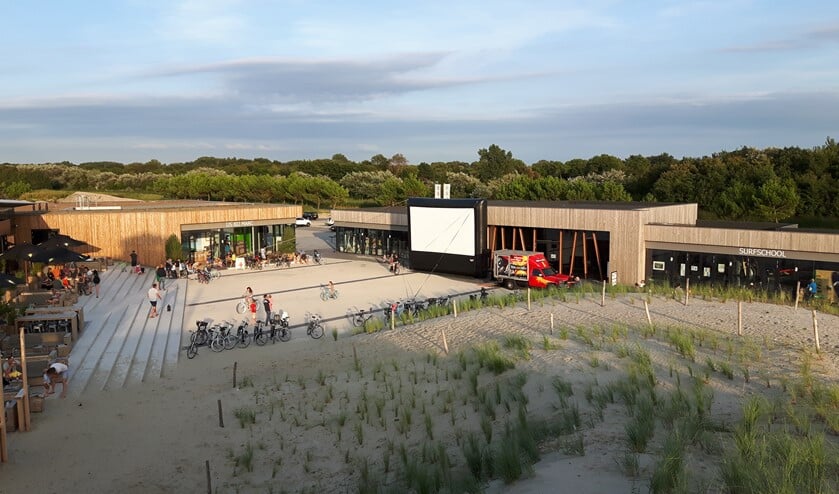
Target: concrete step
x: 113, y: 349
x: 148, y: 359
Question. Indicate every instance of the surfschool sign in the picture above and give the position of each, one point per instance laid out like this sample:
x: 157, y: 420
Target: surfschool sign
x: 752, y: 252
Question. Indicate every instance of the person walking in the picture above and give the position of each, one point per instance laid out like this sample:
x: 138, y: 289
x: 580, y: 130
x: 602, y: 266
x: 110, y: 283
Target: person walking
x: 154, y: 296
x: 96, y: 281
x: 268, y: 306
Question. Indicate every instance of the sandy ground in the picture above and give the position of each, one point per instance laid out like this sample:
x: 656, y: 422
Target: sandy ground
x: 325, y: 408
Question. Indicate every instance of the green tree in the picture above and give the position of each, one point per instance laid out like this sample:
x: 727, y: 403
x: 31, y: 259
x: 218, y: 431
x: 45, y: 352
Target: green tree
x: 16, y: 189
x: 173, y: 247
x: 776, y: 200
x: 495, y: 162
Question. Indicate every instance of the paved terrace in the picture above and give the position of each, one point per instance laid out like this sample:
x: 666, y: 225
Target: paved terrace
x: 121, y: 347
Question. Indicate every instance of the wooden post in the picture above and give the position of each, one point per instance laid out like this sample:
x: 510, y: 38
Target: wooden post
x: 816, y: 332
x: 647, y: 310
x: 552, y: 323
x: 797, y: 293
x: 4, y: 446
x: 445, y: 343
x: 454, y: 306
x: 392, y: 316
x: 235, y: 365
x: 220, y: 416
x: 209, y: 481
x: 603, y: 295
x: 739, y: 318
x: 687, y: 289
x: 528, y: 298
x: 25, y: 421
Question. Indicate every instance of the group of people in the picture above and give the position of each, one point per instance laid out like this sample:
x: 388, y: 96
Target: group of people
x: 267, y: 305
x: 71, y: 278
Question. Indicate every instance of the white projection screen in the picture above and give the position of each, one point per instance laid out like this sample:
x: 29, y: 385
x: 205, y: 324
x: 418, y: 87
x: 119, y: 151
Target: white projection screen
x: 443, y: 230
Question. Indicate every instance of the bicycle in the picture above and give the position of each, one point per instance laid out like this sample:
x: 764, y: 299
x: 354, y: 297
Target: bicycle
x: 221, y: 338
x: 358, y: 317
x: 199, y: 337
x: 243, y: 306
x: 242, y: 336
x: 279, y: 330
x: 394, y: 310
x: 314, y: 325
x: 326, y: 293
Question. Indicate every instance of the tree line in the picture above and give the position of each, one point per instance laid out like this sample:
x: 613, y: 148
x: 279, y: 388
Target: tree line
x: 770, y: 184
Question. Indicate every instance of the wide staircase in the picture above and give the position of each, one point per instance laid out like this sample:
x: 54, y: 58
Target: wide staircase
x: 120, y: 345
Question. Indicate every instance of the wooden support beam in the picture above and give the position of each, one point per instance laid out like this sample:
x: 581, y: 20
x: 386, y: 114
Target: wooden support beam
x: 573, y: 253
x: 503, y: 239
x: 514, y: 238
x: 521, y: 237
x: 585, y: 257
x: 597, y: 255
x: 560, y: 251
x: 25, y: 420
x: 534, y: 238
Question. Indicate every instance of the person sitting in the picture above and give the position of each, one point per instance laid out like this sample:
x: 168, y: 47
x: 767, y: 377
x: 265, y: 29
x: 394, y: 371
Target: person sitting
x: 11, y: 370
x: 56, y: 373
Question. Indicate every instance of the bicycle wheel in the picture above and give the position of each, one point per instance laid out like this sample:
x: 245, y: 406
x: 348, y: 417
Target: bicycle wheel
x: 241, y: 307
x: 217, y: 344
x: 324, y: 295
x: 358, y: 320
x: 191, y: 351
x: 316, y: 331
x: 215, y: 274
x: 230, y: 342
x: 261, y: 338
x: 200, y: 338
x: 285, y: 334
x: 244, y: 340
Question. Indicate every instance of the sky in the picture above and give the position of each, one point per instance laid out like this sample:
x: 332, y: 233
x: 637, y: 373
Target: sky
x: 174, y: 80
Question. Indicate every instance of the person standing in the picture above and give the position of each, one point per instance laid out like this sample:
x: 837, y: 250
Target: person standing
x: 154, y: 296
x: 268, y: 306
x: 160, y: 275
x: 252, y: 307
x: 133, y: 256
x: 96, y: 281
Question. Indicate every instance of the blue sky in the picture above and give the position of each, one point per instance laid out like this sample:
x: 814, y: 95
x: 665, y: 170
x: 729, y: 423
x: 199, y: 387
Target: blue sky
x: 175, y: 80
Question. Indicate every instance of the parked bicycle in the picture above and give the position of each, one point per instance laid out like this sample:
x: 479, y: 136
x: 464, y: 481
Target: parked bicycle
x: 242, y: 336
x: 222, y: 337
x: 328, y: 292
x: 314, y: 325
x: 278, y: 330
x: 360, y: 316
x: 394, y: 310
x: 199, y: 337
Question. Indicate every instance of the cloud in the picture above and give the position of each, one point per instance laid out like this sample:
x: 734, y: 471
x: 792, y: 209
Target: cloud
x: 806, y: 39
x: 205, y: 21
x: 180, y: 129
x: 327, y: 80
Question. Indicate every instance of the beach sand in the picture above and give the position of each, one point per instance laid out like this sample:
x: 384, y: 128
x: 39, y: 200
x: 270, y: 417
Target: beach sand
x: 329, y: 413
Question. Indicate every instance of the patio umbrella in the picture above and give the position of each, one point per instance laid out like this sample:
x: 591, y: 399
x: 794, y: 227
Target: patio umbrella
x: 9, y: 281
x: 22, y: 253
x: 60, y: 240
x: 58, y: 255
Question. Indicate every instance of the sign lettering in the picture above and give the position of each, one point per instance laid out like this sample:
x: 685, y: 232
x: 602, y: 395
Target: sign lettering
x: 746, y: 251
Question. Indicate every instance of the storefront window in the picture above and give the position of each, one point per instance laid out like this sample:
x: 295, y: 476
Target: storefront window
x: 369, y: 242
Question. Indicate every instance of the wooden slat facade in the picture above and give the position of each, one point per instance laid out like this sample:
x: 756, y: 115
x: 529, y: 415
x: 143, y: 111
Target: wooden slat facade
x: 116, y: 232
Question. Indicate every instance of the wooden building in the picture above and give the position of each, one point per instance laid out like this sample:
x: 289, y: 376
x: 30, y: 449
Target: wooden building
x: 115, y: 229
x: 632, y: 242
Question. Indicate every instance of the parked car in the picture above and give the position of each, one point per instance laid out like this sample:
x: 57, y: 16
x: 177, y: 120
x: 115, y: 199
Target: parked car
x: 330, y: 221
x: 302, y: 222
x: 310, y: 215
